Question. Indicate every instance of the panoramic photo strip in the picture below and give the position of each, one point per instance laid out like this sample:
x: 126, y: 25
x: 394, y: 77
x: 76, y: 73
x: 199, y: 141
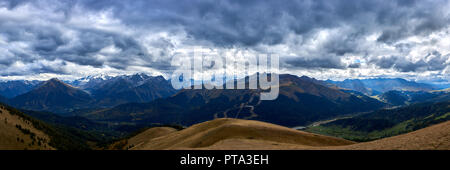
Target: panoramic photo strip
x: 224, y: 83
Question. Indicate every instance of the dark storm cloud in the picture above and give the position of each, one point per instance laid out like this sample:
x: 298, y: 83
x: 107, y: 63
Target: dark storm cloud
x: 254, y: 21
x: 55, y: 67
x: 13, y: 3
x: 248, y: 23
x: 331, y: 62
x: 435, y: 61
x: 342, y: 44
x: 49, y: 43
x: 91, y: 42
x: 384, y: 62
x: 251, y: 22
x: 354, y: 65
x: 231, y: 23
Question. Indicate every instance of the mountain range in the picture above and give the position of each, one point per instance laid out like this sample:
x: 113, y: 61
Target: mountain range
x: 398, y: 98
x: 126, y: 89
x: 101, y: 94
x: 60, y: 97
x: 300, y: 102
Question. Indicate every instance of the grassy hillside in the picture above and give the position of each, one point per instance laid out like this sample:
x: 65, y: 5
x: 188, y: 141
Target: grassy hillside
x: 140, y: 137
x: 238, y: 134
x: 18, y: 133
x: 435, y: 137
x: 208, y: 133
x: 60, y: 137
x: 71, y: 133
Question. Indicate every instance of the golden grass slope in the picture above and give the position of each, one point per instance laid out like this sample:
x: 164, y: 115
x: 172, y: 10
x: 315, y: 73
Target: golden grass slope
x: 141, y: 138
x: 12, y: 138
x: 211, y: 133
x: 236, y: 134
x: 436, y: 137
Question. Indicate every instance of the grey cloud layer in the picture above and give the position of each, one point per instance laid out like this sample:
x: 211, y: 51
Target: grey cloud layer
x: 250, y: 22
x: 223, y: 24
x: 436, y: 61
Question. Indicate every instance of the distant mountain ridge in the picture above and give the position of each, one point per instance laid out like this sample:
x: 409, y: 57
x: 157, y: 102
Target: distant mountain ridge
x: 398, y: 98
x: 134, y: 88
x: 88, y: 81
x: 53, y: 95
x: 13, y: 88
x: 381, y: 85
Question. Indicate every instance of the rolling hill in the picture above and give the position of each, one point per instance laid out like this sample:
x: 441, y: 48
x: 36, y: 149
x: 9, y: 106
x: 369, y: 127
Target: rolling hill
x: 436, y: 137
x: 236, y: 134
x: 61, y: 133
x: 139, y: 138
x: 211, y: 132
x: 36, y: 134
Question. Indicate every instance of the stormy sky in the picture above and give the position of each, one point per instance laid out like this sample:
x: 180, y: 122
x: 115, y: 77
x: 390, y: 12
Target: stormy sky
x: 325, y: 39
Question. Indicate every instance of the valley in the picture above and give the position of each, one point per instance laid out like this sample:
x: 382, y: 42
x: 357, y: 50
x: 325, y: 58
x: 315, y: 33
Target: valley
x: 386, y: 122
